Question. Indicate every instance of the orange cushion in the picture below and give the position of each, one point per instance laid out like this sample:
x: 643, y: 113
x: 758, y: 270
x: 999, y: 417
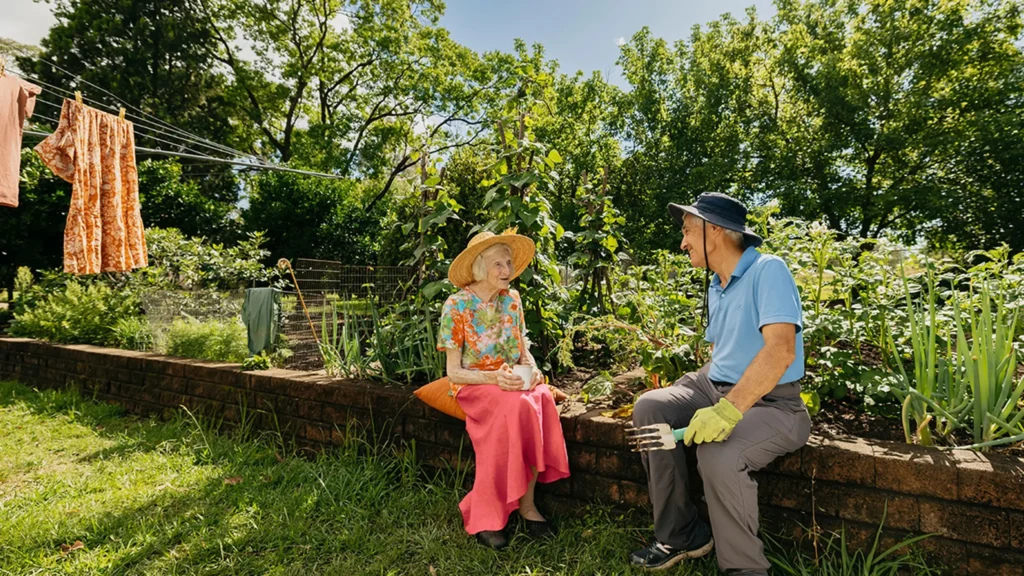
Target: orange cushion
x: 440, y: 396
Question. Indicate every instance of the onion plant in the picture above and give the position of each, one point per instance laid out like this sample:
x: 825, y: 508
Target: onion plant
x: 931, y: 389
x: 342, y: 353
x: 988, y: 366
x: 965, y: 380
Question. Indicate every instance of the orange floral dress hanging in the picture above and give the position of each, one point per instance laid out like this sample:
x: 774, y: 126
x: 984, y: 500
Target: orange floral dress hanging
x: 95, y: 151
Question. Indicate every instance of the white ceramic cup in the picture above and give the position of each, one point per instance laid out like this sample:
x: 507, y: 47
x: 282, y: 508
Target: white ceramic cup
x: 525, y: 372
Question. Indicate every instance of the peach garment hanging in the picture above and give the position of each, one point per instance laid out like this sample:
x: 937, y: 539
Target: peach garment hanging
x: 17, y: 101
x: 95, y: 151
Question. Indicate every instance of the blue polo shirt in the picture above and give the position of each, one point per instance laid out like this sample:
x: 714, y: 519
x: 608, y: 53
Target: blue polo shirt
x: 760, y: 291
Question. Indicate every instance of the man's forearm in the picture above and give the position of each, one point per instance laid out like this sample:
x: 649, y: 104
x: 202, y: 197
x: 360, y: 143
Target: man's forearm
x: 761, y: 376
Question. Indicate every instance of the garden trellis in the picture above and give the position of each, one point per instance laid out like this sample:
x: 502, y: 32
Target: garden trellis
x: 327, y: 286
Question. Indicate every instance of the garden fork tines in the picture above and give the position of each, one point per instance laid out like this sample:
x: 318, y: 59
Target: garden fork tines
x: 654, y: 437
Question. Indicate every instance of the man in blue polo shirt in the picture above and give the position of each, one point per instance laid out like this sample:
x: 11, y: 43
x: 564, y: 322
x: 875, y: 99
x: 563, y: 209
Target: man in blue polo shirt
x: 742, y: 410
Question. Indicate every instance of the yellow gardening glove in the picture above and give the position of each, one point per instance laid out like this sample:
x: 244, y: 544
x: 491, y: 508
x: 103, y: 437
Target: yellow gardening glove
x: 712, y: 424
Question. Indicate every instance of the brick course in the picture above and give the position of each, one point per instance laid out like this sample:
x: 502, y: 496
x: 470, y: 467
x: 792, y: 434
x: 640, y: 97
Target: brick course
x: 973, y: 503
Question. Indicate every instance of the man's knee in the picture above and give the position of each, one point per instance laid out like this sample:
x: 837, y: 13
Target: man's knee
x: 651, y: 407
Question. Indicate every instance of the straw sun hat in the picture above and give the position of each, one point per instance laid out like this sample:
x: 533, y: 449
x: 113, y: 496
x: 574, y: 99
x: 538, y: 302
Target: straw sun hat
x: 460, y: 273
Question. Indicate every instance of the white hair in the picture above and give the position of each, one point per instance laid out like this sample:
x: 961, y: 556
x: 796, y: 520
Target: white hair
x: 480, y: 264
x: 736, y: 237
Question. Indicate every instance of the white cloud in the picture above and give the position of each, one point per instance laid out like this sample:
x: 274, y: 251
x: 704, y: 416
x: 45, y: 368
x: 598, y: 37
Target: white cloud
x: 621, y: 41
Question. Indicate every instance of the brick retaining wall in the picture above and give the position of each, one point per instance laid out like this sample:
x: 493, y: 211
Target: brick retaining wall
x: 974, y: 503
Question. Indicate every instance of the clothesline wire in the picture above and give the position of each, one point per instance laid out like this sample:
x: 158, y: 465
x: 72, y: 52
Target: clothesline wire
x: 260, y: 165
x: 269, y: 167
x: 137, y: 121
x: 178, y: 145
x: 141, y: 130
x: 118, y: 100
x: 140, y: 126
x: 145, y: 152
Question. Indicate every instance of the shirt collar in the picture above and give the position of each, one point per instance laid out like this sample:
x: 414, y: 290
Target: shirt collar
x: 746, y: 261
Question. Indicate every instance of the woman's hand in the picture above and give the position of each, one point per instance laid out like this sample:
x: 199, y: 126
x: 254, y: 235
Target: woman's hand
x: 538, y: 378
x: 507, y: 380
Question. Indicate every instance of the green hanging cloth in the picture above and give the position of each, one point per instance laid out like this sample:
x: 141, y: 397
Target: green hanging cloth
x: 260, y: 313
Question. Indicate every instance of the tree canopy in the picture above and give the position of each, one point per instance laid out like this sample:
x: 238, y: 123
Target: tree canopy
x: 874, y: 117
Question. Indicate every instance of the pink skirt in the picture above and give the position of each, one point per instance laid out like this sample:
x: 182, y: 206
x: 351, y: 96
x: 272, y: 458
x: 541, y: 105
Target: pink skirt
x: 511, y: 431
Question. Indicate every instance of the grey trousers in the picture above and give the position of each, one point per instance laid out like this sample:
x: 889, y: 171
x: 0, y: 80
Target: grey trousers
x: 776, y: 425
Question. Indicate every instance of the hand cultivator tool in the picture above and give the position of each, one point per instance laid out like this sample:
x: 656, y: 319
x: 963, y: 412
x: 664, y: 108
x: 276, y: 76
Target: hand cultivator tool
x: 654, y: 437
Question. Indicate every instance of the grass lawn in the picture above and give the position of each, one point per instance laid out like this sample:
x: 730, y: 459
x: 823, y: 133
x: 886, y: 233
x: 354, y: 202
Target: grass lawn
x: 151, y: 497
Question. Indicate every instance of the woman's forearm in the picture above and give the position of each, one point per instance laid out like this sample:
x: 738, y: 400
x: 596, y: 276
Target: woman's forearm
x: 463, y: 376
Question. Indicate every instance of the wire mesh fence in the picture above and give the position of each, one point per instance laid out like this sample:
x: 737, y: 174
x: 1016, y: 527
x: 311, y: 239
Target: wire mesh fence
x: 163, y: 307
x: 326, y: 285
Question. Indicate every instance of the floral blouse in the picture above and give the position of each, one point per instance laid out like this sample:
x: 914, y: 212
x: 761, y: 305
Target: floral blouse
x: 488, y: 333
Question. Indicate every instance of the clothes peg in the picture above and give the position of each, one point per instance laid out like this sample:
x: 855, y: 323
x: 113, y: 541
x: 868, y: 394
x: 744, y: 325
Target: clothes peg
x: 78, y: 96
x: 121, y: 115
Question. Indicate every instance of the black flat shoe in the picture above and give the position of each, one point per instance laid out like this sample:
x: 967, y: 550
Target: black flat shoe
x: 539, y: 529
x: 496, y: 539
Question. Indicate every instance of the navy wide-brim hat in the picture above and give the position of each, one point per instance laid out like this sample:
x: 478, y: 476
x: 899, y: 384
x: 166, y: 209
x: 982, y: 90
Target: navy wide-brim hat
x: 721, y: 210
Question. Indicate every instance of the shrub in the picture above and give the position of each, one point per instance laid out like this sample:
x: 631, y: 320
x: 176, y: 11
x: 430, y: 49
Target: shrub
x: 178, y: 262
x: 258, y: 362
x: 76, y: 314
x: 132, y: 333
x: 22, y: 282
x: 223, y: 341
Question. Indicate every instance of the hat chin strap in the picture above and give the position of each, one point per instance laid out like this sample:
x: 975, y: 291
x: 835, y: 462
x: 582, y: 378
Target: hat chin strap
x: 707, y: 274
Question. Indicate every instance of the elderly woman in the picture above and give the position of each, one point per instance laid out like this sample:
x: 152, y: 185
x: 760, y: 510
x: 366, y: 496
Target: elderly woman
x: 516, y: 432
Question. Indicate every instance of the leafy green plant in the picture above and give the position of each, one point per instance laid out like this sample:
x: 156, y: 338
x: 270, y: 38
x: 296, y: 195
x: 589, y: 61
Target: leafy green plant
x: 218, y: 340
x: 518, y: 197
x: 395, y: 344
x: 342, y: 352
x: 970, y: 381
x: 23, y: 281
x: 427, y: 247
x: 988, y: 367
x: 597, y: 244
x: 132, y: 333
x: 257, y: 362
x: 404, y: 343
x: 837, y: 559
x: 933, y: 386
x: 183, y: 263
x: 74, y: 313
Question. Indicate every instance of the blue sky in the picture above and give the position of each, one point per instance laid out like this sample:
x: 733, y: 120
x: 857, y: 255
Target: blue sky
x: 582, y: 34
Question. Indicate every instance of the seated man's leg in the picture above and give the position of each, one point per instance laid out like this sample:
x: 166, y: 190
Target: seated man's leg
x: 764, y: 433
x: 676, y: 523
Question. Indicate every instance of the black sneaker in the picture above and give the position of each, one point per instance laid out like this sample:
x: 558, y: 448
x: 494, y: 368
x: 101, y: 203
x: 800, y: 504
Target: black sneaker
x: 658, y: 556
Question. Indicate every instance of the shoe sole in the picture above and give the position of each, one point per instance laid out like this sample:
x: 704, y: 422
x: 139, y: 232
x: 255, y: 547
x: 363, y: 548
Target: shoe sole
x: 688, y: 555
